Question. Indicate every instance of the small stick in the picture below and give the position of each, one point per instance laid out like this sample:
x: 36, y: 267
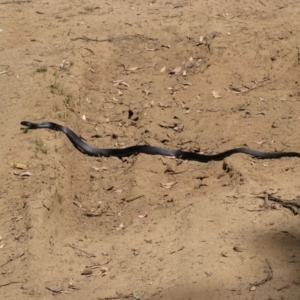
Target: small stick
x: 11, y: 282
x: 12, y: 258
x: 88, y: 254
x: 54, y: 290
x: 135, y: 198
x: 293, y: 206
x: 174, y: 251
x: 180, y: 209
x: 3, y: 72
x: 123, y: 37
x: 13, y: 1
x: 269, y: 276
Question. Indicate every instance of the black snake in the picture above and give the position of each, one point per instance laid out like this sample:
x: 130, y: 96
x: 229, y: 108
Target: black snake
x: 92, y: 151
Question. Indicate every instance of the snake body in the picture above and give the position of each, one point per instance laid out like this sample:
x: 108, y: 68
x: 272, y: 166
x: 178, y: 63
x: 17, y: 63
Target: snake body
x: 92, y: 151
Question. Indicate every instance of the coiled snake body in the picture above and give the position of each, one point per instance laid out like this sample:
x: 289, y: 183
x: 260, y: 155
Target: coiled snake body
x: 92, y: 151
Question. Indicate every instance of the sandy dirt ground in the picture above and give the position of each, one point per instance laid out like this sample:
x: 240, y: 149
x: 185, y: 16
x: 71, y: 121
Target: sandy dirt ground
x: 202, y: 76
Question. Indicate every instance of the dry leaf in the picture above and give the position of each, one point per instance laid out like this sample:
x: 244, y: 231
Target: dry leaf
x: 163, y: 69
x: 117, y: 101
x: 168, y: 185
x: 143, y: 216
x: 177, y: 70
x: 26, y: 174
x: 121, y: 226
x: 260, y: 143
x: 164, y: 105
x: 120, y: 82
x: 133, y: 68
x: 21, y: 166
x: 23, y: 173
x: 18, y: 166
x: 215, y: 94
x: 224, y: 254
x: 99, y: 169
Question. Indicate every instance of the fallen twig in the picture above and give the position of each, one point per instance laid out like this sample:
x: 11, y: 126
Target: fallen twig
x: 15, y: 1
x: 120, y: 296
x: 11, y: 282
x: 269, y: 276
x: 12, y: 259
x: 54, y: 290
x: 174, y: 251
x: 132, y: 199
x: 122, y: 37
x: 85, y: 252
x: 292, y: 205
x: 3, y: 72
x: 180, y: 209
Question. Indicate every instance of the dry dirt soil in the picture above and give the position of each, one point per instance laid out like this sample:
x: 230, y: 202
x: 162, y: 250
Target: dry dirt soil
x: 202, y: 76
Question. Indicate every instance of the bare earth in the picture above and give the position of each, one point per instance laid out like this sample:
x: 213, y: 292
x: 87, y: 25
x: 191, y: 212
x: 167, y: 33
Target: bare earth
x: 202, y: 76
